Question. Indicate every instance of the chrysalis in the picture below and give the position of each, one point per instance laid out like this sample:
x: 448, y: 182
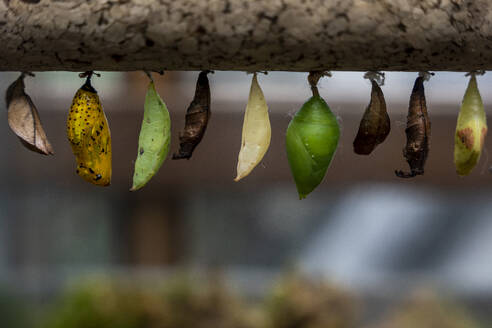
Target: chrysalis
x: 154, y: 139
x: 417, y: 131
x: 256, y: 131
x: 24, y: 119
x: 375, y: 124
x: 311, y: 141
x: 89, y: 135
x: 471, y: 130
x: 197, y: 116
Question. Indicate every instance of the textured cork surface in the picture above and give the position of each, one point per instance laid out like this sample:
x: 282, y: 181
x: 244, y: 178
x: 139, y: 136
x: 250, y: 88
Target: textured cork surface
x: 287, y: 35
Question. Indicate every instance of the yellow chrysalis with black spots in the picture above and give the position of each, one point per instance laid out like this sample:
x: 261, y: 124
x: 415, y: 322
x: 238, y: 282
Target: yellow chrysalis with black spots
x: 89, y: 135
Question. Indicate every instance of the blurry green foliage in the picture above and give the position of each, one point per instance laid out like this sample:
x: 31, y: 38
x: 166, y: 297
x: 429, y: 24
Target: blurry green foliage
x: 297, y: 302
x: 425, y: 309
x: 99, y: 304
x: 294, y: 302
x: 104, y: 303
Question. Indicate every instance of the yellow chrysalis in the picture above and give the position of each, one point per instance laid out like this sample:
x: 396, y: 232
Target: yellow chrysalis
x: 89, y: 135
x: 471, y: 130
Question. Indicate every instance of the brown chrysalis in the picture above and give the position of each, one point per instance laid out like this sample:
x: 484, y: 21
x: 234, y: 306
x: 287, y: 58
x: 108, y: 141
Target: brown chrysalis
x: 375, y: 124
x: 417, y: 131
x: 197, y: 116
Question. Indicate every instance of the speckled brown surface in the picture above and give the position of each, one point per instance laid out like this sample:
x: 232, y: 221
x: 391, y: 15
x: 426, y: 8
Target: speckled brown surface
x: 289, y: 35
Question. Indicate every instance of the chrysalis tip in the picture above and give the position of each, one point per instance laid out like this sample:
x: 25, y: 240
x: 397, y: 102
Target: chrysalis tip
x: 242, y: 174
x: 136, y: 187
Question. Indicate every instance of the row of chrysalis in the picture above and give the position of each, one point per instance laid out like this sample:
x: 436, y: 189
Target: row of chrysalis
x: 311, y: 139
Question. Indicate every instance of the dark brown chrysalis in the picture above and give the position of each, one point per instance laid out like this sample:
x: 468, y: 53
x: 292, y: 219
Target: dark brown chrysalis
x: 197, y: 116
x: 418, y: 132
x: 375, y: 124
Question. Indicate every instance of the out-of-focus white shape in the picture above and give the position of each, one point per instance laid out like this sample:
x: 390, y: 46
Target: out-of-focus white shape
x: 371, y: 224
x: 469, y: 265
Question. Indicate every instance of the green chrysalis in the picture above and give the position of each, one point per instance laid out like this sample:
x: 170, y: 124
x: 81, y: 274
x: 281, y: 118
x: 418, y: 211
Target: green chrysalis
x: 154, y: 139
x: 311, y: 141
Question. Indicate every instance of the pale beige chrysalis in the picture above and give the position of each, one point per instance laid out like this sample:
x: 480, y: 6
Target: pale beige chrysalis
x: 256, y: 131
x: 23, y: 118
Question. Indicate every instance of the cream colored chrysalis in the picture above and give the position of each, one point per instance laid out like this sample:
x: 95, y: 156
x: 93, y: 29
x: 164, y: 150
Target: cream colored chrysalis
x: 256, y: 131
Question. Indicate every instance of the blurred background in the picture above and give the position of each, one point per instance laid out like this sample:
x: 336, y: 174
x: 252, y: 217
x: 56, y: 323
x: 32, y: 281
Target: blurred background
x: 195, y: 249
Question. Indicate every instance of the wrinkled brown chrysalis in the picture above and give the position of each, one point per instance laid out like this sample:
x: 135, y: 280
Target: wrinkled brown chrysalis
x: 417, y: 131
x: 375, y: 124
x: 197, y: 116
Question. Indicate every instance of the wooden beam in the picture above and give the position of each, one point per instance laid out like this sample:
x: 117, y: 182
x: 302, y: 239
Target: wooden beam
x: 286, y: 35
